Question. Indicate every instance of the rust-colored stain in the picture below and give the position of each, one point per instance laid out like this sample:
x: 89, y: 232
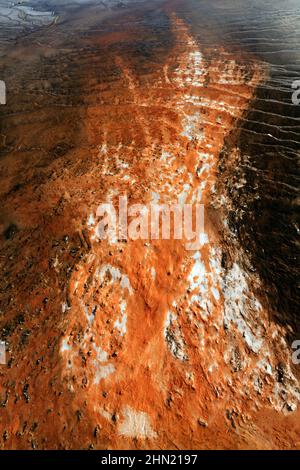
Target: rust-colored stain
x: 139, y: 344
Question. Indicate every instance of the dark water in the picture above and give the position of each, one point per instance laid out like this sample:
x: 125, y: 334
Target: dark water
x: 265, y: 210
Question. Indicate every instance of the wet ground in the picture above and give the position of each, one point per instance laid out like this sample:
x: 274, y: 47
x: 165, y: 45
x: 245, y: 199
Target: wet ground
x: 171, y: 100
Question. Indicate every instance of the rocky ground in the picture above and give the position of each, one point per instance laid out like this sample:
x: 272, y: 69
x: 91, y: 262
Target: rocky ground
x: 142, y: 344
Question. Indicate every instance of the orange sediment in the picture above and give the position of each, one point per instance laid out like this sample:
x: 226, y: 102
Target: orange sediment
x: 144, y: 344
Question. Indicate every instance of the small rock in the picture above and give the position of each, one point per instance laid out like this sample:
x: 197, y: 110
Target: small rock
x: 202, y: 423
x: 97, y: 430
x: 10, y: 232
x: 291, y: 406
